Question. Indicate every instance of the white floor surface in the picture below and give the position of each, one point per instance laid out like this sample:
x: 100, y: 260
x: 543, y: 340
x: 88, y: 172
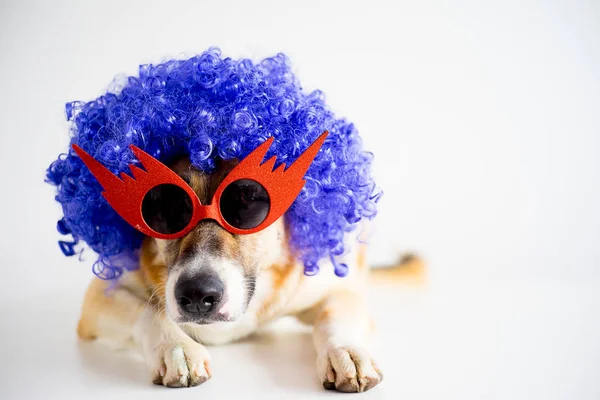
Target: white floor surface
x: 451, y: 340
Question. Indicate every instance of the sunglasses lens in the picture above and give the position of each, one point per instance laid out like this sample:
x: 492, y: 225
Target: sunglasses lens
x: 245, y: 204
x: 167, y: 209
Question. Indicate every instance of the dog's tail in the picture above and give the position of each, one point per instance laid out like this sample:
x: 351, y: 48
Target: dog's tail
x: 410, y: 269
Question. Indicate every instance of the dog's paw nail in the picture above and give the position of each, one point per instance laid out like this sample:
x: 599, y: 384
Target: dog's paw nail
x: 199, y: 372
x: 348, y: 386
x: 330, y: 376
x: 207, y: 369
x: 329, y: 385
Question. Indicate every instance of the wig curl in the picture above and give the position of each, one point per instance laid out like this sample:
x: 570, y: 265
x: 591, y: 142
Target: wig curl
x: 209, y: 108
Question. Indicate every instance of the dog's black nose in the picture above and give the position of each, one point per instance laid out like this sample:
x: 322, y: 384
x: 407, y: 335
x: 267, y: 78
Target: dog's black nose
x: 199, y: 295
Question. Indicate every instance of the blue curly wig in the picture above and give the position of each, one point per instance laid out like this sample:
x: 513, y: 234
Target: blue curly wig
x: 210, y: 107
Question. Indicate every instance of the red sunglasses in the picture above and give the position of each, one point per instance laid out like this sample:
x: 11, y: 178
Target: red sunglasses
x: 159, y: 203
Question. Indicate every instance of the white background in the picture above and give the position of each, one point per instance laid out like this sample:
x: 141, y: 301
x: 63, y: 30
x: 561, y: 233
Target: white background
x: 484, y: 120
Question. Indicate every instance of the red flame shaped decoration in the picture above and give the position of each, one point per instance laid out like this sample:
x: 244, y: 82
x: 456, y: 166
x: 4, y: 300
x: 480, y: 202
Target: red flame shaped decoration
x: 125, y: 194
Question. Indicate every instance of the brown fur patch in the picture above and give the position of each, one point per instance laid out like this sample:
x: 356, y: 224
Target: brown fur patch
x: 154, y: 270
x: 85, y: 331
x: 99, y: 298
x: 410, y: 269
x: 362, y: 258
x: 87, y: 326
x: 281, y: 274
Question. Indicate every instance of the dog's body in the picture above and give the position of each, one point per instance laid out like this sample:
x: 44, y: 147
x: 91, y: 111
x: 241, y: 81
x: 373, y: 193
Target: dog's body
x: 212, y: 287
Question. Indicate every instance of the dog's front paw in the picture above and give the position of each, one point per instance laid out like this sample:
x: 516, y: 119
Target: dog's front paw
x: 348, y: 369
x: 179, y: 364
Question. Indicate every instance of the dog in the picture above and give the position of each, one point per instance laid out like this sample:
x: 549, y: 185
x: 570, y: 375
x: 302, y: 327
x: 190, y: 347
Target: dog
x: 212, y: 287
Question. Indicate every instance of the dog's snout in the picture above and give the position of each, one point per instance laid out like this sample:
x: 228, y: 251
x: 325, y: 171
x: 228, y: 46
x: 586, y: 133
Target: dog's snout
x: 199, y: 295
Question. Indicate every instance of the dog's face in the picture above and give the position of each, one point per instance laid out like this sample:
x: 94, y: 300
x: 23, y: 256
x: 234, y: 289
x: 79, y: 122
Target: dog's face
x: 212, y: 273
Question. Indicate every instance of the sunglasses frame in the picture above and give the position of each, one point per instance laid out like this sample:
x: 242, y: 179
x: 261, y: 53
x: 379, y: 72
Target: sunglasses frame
x: 126, y: 194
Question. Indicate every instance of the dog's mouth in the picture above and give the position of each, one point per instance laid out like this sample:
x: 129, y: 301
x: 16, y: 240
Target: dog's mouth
x: 205, y: 321
x: 211, y: 319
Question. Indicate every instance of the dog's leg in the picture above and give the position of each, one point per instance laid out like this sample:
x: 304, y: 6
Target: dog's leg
x: 341, y: 333
x: 121, y: 316
x: 174, y: 359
